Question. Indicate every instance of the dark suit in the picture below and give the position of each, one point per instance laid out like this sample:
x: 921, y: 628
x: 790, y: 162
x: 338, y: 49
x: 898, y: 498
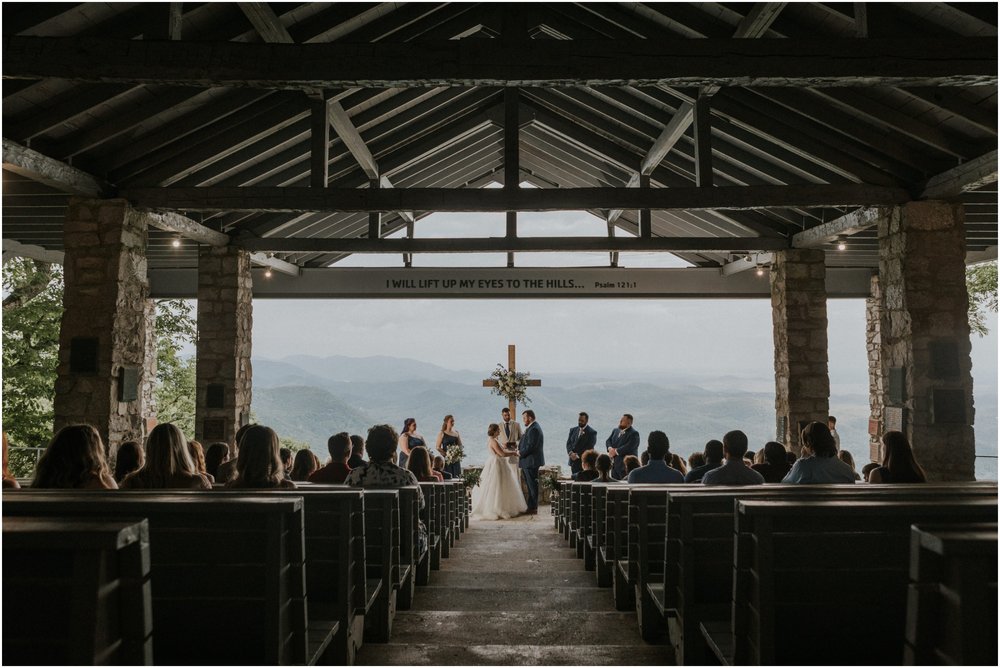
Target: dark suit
x: 626, y: 442
x: 532, y: 457
x: 579, y: 443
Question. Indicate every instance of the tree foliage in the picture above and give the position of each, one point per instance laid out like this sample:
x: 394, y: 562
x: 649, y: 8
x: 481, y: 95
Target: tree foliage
x: 981, y: 280
x: 175, y: 376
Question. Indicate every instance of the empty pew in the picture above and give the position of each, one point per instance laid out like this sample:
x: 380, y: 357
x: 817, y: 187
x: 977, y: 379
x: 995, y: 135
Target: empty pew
x: 409, y: 547
x: 951, y: 615
x: 647, y: 530
x: 830, y: 570
x: 698, y: 551
x: 76, y: 592
x: 238, y: 562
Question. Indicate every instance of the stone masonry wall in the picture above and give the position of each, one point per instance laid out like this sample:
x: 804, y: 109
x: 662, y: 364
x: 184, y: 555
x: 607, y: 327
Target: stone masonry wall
x: 105, y: 298
x: 801, y: 372
x: 876, y: 381
x: 225, y: 320
x: 922, y: 273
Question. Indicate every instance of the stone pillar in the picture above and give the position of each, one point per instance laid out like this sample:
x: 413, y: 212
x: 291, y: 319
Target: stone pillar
x: 925, y: 336
x: 148, y: 389
x: 225, y: 319
x: 876, y: 381
x: 801, y: 373
x: 103, y: 337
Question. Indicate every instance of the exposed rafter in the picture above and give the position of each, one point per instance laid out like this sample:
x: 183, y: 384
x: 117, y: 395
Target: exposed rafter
x: 487, y: 199
x: 846, y: 225
x: 38, y: 167
x: 759, y: 19
x: 168, y: 221
x: 266, y: 22
x: 267, y: 260
x: 968, y: 176
x: 13, y: 249
x: 746, y: 263
x: 965, y: 61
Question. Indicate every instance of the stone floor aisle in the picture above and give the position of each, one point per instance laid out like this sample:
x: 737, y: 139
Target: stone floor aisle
x: 513, y: 593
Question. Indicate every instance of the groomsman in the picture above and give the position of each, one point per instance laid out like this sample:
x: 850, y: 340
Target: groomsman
x: 624, y: 441
x: 581, y: 439
x: 510, y: 430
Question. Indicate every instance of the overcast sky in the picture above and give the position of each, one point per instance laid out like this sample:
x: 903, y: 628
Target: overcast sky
x: 600, y: 335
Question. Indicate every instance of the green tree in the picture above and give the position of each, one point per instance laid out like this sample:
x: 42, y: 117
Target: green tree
x: 981, y: 280
x: 175, y: 376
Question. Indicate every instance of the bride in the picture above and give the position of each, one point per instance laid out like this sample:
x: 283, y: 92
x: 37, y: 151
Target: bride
x: 501, y: 496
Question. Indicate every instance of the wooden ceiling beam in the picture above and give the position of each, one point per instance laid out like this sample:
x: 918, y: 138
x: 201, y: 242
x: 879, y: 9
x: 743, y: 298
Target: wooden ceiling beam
x: 970, y: 175
x: 846, y: 225
x: 966, y: 61
x: 470, y: 200
x: 39, y: 167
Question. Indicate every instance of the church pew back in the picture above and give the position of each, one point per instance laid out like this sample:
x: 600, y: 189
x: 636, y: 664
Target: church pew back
x: 76, y: 592
x: 237, y: 564
x: 382, y: 543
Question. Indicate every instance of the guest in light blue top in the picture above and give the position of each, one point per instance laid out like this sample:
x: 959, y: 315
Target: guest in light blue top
x: 733, y: 471
x: 819, y: 463
x: 657, y: 470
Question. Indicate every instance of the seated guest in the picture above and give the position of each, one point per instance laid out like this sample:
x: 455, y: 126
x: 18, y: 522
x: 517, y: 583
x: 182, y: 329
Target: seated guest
x: 657, y: 470
x: 227, y: 470
x: 713, y: 460
x: 775, y: 465
x: 603, y: 467
x: 304, y: 465
x: 734, y: 471
x: 198, y: 457
x: 357, y: 459
x: 631, y: 463
x: 438, y: 465
x: 381, y: 473
x: 336, y: 471
x: 588, y: 466
x: 130, y: 458
x: 74, y: 459
x: 419, y: 464
x: 749, y: 456
x: 9, y: 482
x: 790, y: 457
x: 848, y: 458
x: 644, y: 458
x: 819, y: 463
x: 259, y: 464
x: 286, y: 460
x: 695, y: 459
x: 215, y: 456
x: 168, y: 463
x: 867, y: 469
x: 677, y: 462
x: 898, y: 463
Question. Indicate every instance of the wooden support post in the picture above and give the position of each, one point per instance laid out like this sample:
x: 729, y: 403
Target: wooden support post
x: 319, y: 143
x: 511, y: 157
x: 374, y: 217
x: 645, y: 215
x: 703, y: 142
x: 408, y: 257
x: 861, y: 19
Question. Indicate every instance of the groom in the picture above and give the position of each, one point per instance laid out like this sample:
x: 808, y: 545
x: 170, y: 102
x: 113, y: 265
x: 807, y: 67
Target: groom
x: 531, y: 457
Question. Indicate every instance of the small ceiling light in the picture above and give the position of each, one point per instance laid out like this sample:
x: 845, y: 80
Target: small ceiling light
x: 267, y: 273
x: 176, y: 243
x: 841, y: 244
x: 760, y: 270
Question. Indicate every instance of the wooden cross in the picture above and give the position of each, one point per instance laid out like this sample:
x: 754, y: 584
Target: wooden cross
x: 532, y: 382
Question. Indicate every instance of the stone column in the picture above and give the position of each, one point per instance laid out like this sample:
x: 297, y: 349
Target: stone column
x: 103, y: 337
x: 225, y: 319
x: 876, y: 381
x: 925, y: 336
x: 801, y: 373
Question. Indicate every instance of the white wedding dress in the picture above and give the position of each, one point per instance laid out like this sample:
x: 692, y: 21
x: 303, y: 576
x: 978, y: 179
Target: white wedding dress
x: 500, y: 496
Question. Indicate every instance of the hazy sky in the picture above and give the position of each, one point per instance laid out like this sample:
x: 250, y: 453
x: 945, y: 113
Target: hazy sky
x: 601, y: 335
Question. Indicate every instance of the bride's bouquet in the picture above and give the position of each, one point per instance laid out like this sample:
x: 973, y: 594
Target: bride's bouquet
x: 455, y: 454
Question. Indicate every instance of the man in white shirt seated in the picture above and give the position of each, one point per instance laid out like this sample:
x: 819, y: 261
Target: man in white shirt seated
x: 733, y: 471
x: 657, y: 470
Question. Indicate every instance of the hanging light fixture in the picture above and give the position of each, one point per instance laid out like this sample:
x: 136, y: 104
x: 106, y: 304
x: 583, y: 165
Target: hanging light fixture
x: 267, y: 270
x: 176, y: 242
x: 841, y: 243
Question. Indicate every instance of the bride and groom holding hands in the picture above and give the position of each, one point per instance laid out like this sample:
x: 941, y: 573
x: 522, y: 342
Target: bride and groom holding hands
x: 511, y: 448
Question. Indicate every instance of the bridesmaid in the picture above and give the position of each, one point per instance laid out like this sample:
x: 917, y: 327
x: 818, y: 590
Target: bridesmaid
x: 448, y: 436
x: 408, y: 438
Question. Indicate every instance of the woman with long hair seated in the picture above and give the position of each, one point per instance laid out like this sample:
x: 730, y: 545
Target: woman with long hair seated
x: 603, y: 467
x: 198, y: 458
x: 303, y: 466
x: 259, y: 464
x: 215, y: 456
x: 168, y: 463
x: 130, y: 458
x: 74, y: 459
x: 419, y: 464
x: 898, y: 463
x: 819, y: 463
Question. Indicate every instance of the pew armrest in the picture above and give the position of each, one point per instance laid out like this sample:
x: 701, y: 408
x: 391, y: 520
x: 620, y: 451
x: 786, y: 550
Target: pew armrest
x: 372, y: 588
x: 719, y: 639
x: 656, y: 592
x: 321, y: 634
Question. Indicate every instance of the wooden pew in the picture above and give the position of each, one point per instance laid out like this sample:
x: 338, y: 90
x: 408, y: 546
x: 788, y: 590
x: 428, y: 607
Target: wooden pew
x: 599, y: 512
x: 430, y: 515
x: 573, y: 524
x: 382, y: 561
x: 409, y: 547
x: 698, y: 551
x: 454, y: 525
x: 829, y: 571
x: 584, y: 546
x: 647, y: 530
x: 235, y: 564
x: 951, y: 615
x: 616, y: 548
x: 76, y: 592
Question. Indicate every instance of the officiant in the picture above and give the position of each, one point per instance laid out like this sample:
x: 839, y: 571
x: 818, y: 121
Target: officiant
x: 510, y: 430
x: 581, y: 438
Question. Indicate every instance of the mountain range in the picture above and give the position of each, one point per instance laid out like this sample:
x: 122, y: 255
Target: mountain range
x: 308, y: 398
